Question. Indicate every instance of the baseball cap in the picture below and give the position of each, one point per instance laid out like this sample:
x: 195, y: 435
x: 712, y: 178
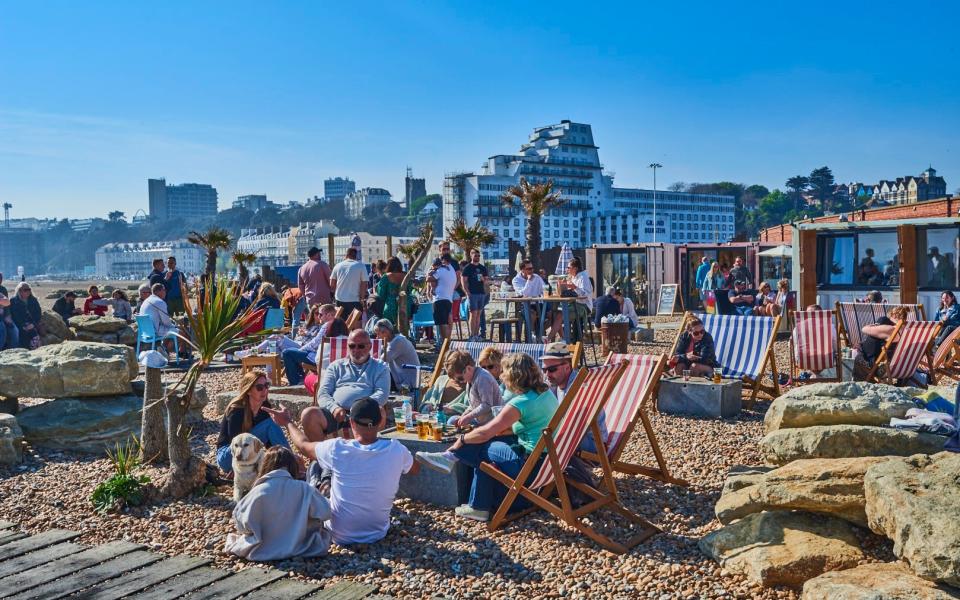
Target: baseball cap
x: 555, y: 351
x: 365, y: 411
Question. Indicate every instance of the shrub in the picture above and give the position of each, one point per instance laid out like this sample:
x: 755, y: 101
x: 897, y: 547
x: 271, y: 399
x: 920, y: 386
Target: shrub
x: 124, y: 488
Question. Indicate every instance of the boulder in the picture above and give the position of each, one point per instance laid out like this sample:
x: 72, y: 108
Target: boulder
x: 197, y: 401
x: 90, y: 425
x: 848, y: 403
x: 783, y: 548
x: 915, y: 502
x: 741, y: 476
x: 68, y: 369
x: 875, y: 581
x: 54, y: 327
x: 11, y: 440
x: 127, y: 336
x: 845, y: 441
x: 96, y: 324
x: 832, y: 486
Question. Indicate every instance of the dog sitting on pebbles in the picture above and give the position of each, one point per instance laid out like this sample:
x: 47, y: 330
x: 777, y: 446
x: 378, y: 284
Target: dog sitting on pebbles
x: 247, y: 451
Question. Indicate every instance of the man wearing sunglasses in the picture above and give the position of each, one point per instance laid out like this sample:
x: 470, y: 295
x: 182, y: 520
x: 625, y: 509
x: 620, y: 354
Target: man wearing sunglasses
x: 695, y: 351
x: 344, y: 382
x: 557, y: 364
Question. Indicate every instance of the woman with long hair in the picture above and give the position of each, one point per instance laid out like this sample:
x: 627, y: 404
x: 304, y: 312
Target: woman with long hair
x: 267, y: 297
x: 766, y: 301
x: 948, y: 314
x: 528, y: 409
x: 25, y: 311
x: 714, y: 279
x: 243, y: 415
x: 388, y: 290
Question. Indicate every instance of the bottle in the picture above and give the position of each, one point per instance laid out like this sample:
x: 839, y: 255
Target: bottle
x: 442, y: 419
x: 408, y: 414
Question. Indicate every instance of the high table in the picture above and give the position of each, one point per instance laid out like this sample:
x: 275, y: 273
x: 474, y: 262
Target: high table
x: 562, y: 302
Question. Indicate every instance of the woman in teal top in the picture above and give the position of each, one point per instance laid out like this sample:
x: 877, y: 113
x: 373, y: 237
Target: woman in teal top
x: 529, y: 407
x: 388, y: 288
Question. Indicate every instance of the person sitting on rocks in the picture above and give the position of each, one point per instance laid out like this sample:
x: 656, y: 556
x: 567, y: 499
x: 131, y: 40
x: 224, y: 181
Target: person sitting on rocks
x: 364, y: 472
x: 25, y: 312
x: 244, y: 414
x: 9, y: 334
x: 143, y: 292
x: 695, y: 351
x: 120, y: 303
x: 482, y: 390
x: 343, y: 382
x: 280, y: 517
x: 90, y: 306
x: 65, y: 307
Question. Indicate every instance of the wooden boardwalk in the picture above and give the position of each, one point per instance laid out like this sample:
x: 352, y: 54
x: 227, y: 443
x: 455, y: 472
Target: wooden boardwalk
x: 50, y: 565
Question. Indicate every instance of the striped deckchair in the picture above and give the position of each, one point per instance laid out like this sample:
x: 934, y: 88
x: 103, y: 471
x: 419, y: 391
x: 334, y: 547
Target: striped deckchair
x: 901, y: 356
x: 332, y: 349
x: 475, y: 348
x: 545, y: 466
x: 854, y: 315
x: 627, y: 404
x: 814, y: 346
x: 744, y: 346
x: 946, y: 360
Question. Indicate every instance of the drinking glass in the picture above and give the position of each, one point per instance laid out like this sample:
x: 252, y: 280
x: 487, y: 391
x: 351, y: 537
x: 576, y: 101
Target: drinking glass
x: 717, y: 375
x: 398, y: 418
x: 686, y: 374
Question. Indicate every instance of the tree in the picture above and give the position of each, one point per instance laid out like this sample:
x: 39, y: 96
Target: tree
x: 677, y: 186
x: 242, y: 259
x: 214, y: 240
x: 798, y: 184
x: 153, y: 432
x: 417, y: 204
x: 535, y: 199
x: 470, y: 237
x: 821, y: 184
x: 417, y: 251
x: 115, y: 215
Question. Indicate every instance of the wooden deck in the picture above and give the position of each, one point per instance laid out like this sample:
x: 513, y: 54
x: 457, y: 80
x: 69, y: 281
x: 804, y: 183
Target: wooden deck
x: 51, y: 565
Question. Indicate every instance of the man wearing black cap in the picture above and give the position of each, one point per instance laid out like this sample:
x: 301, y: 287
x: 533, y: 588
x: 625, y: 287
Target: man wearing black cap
x: 741, y: 298
x: 366, y: 472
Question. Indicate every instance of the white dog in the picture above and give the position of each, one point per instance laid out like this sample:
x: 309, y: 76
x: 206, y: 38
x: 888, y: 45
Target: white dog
x: 247, y: 451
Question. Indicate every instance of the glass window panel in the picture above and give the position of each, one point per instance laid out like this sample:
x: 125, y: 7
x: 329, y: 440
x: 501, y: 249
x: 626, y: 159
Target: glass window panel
x: 628, y: 271
x: 878, y: 261
x: 937, y: 255
x: 839, y: 262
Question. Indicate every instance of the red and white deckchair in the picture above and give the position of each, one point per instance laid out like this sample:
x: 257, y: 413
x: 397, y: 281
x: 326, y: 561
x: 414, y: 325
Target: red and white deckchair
x: 946, y: 359
x: 853, y: 316
x: 332, y: 349
x: 901, y: 356
x: 814, y: 346
x: 626, y: 405
x: 546, y: 464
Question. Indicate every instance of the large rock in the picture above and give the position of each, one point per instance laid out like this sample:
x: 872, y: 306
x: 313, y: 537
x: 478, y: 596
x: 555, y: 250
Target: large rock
x: 875, y: 581
x: 11, y: 440
x: 82, y: 424
x: 97, y: 324
x: 845, y: 441
x: 848, y: 403
x: 832, y: 486
x: 54, y: 326
x: 741, y: 476
x: 915, y: 502
x: 783, y: 548
x: 67, y: 369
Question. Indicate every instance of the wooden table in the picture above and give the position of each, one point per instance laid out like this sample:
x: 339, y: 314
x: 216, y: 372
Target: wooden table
x: 562, y: 302
x: 271, y: 361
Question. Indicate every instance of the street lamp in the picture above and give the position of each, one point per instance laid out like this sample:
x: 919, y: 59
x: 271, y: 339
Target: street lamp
x: 655, y: 166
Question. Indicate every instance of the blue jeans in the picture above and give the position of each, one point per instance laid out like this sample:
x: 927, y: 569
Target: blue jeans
x: 266, y: 431
x: 298, y: 312
x: 486, y: 493
x: 291, y: 363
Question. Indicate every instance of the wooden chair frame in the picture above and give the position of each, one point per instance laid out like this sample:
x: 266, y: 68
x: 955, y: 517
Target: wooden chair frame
x: 886, y: 354
x: 661, y: 472
x: 843, y: 327
x: 754, y: 386
x: 794, y: 367
x: 353, y: 321
x: 946, y: 358
x: 563, y: 510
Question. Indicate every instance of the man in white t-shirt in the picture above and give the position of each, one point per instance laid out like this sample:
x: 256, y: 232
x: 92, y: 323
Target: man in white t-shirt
x: 366, y: 473
x: 349, y: 282
x: 444, y: 277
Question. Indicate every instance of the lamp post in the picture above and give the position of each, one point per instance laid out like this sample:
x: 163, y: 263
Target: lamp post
x: 655, y: 166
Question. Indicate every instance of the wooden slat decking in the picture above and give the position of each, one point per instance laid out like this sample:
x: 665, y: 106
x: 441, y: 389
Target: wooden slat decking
x: 49, y: 566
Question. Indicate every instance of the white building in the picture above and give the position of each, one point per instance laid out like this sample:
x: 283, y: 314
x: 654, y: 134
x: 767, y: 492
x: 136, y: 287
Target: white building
x: 595, y: 212
x: 355, y: 203
x: 271, y: 245
x: 308, y: 235
x: 372, y: 247
x: 337, y: 188
x: 136, y: 258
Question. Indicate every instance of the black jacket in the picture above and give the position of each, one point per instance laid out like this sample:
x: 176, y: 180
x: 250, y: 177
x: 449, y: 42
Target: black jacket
x: 65, y: 309
x: 25, y: 312
x: 606, y: 305
x: 705, y: 348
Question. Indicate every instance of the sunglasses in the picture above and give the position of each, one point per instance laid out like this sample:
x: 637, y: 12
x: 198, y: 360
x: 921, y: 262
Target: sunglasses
x: 356, y: 346
x: 552, y: 368
x: 261, y: 386
x: 697, y: 333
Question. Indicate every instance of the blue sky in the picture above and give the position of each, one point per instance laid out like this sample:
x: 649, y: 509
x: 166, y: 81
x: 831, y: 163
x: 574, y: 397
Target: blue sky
x: 272, y: 97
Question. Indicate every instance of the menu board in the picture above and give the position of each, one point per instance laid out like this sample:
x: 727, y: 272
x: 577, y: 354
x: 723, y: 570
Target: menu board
x: 667, y: 303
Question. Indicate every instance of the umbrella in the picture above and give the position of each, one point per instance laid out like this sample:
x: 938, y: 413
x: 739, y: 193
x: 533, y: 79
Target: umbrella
x: 566, y: 255
x: 355, y: 243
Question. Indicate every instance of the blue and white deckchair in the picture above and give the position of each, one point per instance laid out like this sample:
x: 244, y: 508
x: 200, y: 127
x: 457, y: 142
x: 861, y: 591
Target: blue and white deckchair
x: 744, y: 347
x: 475, y: 348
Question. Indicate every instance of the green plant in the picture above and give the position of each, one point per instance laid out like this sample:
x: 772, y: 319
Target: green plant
x: 124, y: 488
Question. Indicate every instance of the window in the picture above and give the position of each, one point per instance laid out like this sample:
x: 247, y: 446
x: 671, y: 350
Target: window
x: 837, y: 260
x: 937, y: 252
x: 878, y: 261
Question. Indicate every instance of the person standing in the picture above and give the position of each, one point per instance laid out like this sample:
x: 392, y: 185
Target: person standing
x: 474, y: 278
x: 156, y: 275
x: 702, y: 271
x: 175, y: 281
x: 313, y: 280
x: 740, y: 272
x: 348, y: 280
x: 443, y: 278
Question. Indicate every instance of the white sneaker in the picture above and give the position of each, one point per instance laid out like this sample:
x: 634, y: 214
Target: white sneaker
x: 436, y: 461
x: 468, y: 512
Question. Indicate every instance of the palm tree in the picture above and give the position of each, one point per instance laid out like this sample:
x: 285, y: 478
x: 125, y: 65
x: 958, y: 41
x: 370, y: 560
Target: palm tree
x: 468, y: 238
x: 535, y: 199
x: 214, y: 240
x: 797, y: 185
x: 242, y: 259
x: 417, y: 251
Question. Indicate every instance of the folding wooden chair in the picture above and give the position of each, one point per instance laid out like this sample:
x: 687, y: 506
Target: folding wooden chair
x: 815, y: 346
x: 852, y: 316
x: 913, y: 341
x: 577, y: 413
x: 626, y: 405
x: 744, y: 348
x: 353, y: 321
x: 946, y: 359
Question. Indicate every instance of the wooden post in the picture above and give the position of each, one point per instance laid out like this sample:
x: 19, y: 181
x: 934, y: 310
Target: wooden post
x: 389, y: 246
x: 331, y: 259
x: 907, y: 238
x: 808, y: 268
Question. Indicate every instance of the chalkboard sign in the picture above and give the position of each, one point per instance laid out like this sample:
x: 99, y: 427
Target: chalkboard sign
x: 667, y: 303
